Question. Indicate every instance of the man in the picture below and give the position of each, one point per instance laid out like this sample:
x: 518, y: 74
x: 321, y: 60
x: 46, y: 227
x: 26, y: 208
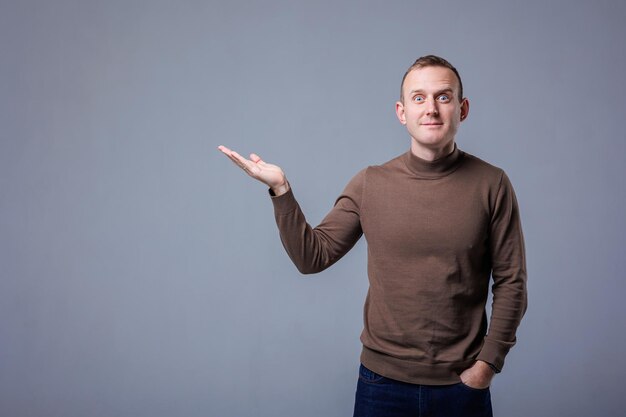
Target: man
x: 439, y: 222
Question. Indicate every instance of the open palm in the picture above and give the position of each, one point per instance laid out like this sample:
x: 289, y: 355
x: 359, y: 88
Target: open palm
x: 269, y: 174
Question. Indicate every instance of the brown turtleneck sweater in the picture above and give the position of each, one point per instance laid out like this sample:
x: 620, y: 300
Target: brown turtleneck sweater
x: 436, y: 231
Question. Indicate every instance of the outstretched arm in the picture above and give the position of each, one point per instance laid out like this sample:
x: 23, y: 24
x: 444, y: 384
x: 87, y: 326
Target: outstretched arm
x: 269, y: 174
x: 311, y: 249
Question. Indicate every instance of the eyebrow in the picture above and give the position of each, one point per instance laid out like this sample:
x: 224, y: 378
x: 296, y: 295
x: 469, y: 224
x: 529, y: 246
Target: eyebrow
x: 445, y: 90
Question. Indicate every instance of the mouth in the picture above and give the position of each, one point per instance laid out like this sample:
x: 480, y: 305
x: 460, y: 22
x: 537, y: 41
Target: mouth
x: 432, y: 124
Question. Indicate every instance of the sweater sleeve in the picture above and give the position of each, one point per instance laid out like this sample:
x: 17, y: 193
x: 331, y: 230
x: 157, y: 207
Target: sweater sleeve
x: 508, y: 262
x: 313, y: 249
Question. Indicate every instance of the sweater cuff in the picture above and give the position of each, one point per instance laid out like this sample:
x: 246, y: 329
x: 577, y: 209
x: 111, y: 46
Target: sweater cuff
x: 283, y: 203
x: 493, y: 353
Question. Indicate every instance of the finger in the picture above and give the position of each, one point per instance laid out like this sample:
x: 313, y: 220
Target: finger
x: 237, y: 162
x: 224, y: 149
x: 257, y: 159
x: 230, y: 154
x: 243, y: 163
x: 234, y: 156
x: 239, y: 157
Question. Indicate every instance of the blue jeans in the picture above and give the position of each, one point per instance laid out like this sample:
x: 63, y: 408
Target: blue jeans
x: 377, y: 396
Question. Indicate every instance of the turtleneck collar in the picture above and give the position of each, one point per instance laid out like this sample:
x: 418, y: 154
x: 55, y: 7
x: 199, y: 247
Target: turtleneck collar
x: 434, y: 169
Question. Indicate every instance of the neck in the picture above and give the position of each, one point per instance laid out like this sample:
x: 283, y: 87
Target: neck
x: 431, y: 154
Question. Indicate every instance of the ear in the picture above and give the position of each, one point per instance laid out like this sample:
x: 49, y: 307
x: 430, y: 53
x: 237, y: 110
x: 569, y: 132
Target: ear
x: 400, y: 112
x: 464, y: 108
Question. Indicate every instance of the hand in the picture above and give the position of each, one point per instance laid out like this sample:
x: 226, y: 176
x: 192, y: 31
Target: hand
x: 478, y: 376
x: 270, y: 175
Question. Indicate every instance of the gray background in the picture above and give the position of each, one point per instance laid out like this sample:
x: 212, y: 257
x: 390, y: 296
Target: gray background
x: 142, y: 273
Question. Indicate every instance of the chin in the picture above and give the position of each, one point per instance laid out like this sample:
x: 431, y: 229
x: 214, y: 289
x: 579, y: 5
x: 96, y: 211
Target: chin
x: 433, y: 143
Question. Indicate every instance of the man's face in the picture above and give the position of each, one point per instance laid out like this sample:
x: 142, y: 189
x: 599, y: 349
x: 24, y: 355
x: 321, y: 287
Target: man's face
x: 431, y: 110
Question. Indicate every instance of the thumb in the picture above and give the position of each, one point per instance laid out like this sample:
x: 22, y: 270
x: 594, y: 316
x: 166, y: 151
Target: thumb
x: 255, y: 158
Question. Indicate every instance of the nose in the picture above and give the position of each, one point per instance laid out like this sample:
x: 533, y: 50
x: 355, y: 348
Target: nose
x: 431, y: 109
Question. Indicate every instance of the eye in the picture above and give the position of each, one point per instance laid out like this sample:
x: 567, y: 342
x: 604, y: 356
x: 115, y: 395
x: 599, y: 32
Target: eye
x: 418, y: 99
x: 444, y: 98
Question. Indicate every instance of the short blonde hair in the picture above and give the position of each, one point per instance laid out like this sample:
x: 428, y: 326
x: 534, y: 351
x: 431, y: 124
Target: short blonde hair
x: 431, y: 61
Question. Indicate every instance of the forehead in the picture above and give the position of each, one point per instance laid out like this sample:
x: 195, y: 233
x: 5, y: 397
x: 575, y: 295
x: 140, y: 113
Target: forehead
x: 431, y: 79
